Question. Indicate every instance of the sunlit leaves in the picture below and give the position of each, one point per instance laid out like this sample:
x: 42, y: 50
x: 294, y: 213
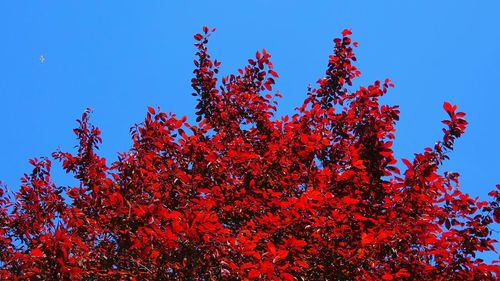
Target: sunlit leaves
x: 242, y: 195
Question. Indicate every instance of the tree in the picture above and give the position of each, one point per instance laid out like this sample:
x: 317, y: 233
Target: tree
x: 244, y: 195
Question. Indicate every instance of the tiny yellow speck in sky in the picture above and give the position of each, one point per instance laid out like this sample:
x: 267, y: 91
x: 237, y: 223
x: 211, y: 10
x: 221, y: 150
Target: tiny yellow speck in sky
x: 42, y: 59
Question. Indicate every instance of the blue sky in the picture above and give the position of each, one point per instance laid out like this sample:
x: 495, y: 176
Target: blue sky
x: 120, y: 56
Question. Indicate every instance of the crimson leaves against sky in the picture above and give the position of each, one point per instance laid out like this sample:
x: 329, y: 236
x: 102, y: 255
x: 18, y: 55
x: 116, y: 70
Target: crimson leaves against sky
x: 243, y: 195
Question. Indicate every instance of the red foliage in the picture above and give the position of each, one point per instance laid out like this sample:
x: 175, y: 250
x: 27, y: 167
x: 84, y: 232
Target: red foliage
x: 241, y: 195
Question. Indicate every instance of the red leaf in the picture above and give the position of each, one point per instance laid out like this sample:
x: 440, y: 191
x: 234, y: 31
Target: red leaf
x: 287, y: 276
x: 304, y: 138
x: 346, y: 32
x: 155, y: 254
x: 183, y: 134
x: 273, y: 73
x: 407, y: 163
x: 37, y: 253
x: 151, y: 110
x: 366, y: 239
x: 72, y: 193
x: 447, y: 106
x: 198, y: 37
x: 253, y: 273
x: 358, y: 164
x: 349, y: 201
x: 271, y: 248
x: 302, y: 264
x: 299, y: 243
x: 403, y: 273
x: 282, y: 254
x: 387, y: 276
x: 268, y: 86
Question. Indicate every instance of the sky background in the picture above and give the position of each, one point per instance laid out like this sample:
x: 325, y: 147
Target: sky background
x: 118, y: 57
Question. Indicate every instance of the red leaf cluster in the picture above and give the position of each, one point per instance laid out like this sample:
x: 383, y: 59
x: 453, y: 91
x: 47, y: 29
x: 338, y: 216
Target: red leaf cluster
x: 241, y: 195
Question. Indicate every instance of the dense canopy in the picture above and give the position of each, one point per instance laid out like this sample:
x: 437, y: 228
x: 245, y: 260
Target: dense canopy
x: 241, y: 194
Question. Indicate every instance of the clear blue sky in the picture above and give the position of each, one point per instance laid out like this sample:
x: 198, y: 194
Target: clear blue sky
x: 120, y: 56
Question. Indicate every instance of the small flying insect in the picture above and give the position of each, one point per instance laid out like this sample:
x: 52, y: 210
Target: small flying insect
x: 42, y: 59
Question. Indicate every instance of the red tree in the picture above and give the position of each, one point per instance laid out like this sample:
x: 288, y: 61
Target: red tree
x: 244, y: 195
